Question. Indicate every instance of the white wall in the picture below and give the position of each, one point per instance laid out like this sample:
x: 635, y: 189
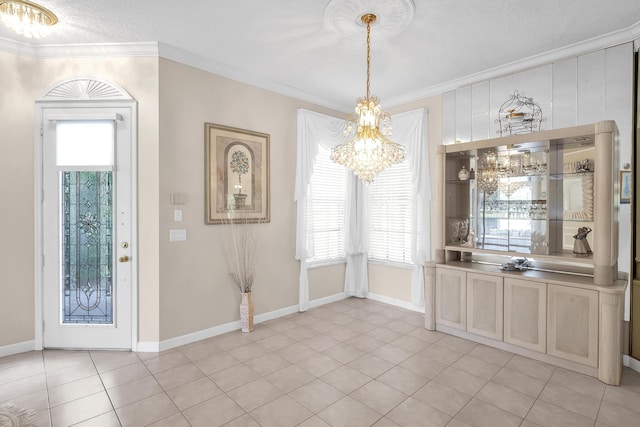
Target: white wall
x: 573, y: 91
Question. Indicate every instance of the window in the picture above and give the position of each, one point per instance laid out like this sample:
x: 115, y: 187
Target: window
x: 325, y: 209
x: 392, y: 216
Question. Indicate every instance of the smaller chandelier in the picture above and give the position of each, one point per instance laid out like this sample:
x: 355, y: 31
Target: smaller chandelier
x: 488, y: 175
x: 369, y: 151
x: 26, y: 18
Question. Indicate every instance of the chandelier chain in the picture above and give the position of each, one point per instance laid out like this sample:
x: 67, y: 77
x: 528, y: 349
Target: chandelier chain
x: 368, y: 58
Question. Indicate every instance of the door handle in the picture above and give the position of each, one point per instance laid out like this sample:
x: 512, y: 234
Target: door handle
x: 123, y: 259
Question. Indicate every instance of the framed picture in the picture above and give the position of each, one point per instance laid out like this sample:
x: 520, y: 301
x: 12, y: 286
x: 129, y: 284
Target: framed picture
x: 625, y: 187
x: 236, y: 175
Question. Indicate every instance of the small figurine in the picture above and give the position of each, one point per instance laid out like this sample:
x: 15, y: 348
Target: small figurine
x: 581, y: 245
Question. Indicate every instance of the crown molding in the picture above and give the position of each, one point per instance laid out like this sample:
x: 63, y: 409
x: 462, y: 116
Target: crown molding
x: 156, y: 49
x: 626, y: 35
x: 197, y: 61
x: 83, y: 50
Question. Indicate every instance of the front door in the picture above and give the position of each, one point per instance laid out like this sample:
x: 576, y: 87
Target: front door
x: 86, y: 215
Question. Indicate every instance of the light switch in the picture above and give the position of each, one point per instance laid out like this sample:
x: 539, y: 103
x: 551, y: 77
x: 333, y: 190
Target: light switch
x: 177, y: 235
x: 177, y: 215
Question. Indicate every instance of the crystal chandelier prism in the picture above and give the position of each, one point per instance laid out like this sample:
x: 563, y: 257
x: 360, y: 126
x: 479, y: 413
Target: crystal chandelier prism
x: 369, y: 151
x: 26, y: 18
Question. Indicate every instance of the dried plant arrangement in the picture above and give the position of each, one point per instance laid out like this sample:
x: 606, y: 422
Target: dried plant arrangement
x: 240, y: 249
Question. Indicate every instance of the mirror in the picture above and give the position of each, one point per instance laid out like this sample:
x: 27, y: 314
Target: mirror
x: 577, y: 200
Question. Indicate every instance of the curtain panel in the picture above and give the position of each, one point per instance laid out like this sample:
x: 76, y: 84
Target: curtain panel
x: 314, y: 130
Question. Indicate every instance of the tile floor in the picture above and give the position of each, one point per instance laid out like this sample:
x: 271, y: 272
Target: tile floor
x: 351, y: 363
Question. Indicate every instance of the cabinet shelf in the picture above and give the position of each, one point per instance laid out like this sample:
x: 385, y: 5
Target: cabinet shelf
x: 531, y: 193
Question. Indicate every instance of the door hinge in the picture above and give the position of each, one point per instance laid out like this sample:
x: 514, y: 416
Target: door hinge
x: 41, y: 131
x: 43, y: 260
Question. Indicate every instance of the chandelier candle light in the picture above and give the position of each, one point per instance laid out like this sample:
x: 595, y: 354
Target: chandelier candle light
x: 26, y: 18
x: 369, y: 152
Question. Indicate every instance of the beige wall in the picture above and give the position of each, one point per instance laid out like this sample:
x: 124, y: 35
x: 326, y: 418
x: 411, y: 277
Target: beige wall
x: 24, y: 80
x: 19, y: 77
x: 195, y: 290
x: 183, y: 286
x: 326, y: 281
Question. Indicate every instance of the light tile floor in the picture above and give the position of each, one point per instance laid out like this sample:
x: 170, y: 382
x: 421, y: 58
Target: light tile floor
x: 351, y: 363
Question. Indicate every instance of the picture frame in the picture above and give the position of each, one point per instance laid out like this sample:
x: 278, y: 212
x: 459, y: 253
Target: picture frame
x: 236, y: 175
x: 625, y: 187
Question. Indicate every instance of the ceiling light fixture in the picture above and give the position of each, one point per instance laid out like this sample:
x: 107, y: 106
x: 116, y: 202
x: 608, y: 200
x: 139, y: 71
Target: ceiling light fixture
x: 369, y: 151
x: 26, y: 18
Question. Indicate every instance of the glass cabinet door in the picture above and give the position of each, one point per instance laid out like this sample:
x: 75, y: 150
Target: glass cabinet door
x: 496, y: 199
x: 511, y: 205
x: 573, y: 165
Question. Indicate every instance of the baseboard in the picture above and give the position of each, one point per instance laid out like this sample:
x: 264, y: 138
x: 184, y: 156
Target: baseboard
x: 21, y: 347
x: 630, y: 362
x: 154, y: 346
x: 327, y: 300
x: 397, y: 302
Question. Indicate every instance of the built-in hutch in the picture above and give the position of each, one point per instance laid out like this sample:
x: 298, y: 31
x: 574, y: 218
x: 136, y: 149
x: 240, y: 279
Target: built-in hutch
x: 528, y: 247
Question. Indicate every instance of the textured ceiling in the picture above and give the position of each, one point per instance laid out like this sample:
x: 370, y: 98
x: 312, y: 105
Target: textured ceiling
x: 285, y: 43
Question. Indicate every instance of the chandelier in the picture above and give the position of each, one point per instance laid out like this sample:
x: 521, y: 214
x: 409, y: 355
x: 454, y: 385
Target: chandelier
x: 26, y: 18
x: 497, y: 173
x: 369, y: 151
x: 488, y: 174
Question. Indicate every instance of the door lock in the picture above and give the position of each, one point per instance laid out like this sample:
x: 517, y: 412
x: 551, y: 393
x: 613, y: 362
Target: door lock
x: 123, y: 259
x: 125, y: 245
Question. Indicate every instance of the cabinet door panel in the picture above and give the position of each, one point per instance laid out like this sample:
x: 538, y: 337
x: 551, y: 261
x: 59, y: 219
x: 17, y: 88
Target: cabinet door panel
x: 573, y: 324
x: 525, y: 314
x: 484, y: 305
x: 451, y: 298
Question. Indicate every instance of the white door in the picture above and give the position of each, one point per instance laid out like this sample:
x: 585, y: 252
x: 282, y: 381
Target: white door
x: 86, y: 223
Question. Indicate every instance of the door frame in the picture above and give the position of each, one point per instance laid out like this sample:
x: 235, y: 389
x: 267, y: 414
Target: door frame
x: 82, y: 92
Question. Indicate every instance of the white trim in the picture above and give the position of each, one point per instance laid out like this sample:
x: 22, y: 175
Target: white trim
x: 154, y: 347
x: 21, y: 347
x: 631, y: 363
x: 122, y: 100
x: 327, y: 300
x: 80, y: 50
x: 158, y: 49
x: 212, y: 66
x: 396, y: 302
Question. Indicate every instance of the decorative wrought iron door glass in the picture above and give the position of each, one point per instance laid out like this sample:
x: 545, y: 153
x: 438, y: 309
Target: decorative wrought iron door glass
x: 87, y: 247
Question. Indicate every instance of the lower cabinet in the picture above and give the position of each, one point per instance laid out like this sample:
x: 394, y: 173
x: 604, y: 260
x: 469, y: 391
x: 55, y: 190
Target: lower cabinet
x: 484, y: 305
x: 451, y: 298
x: 572, y: 320
x: 579, y: 324
x: 525, y: 314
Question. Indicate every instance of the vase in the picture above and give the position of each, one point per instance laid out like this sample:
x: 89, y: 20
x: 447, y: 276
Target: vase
x: 246, y: 312
x: 463, y: 175
x: 240, y: 199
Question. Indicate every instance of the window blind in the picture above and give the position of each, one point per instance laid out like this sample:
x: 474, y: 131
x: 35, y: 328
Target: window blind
x: 392, y: 215
x: 326, y: 206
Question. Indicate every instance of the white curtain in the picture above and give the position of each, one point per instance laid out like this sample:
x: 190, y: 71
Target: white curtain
x: 314, y: 130
x: 356, y: 281
x: 410, y: 129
